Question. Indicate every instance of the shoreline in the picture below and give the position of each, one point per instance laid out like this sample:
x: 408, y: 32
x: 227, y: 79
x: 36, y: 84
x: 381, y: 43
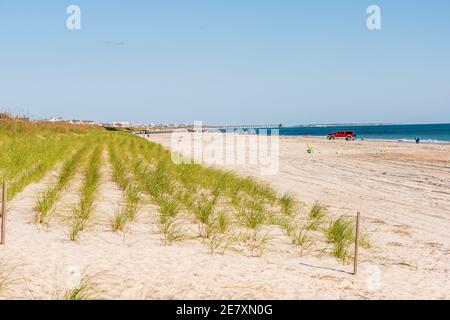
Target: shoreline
x: 407, y: 141
x: 403, y: 140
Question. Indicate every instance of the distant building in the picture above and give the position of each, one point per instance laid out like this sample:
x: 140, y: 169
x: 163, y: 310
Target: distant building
x: 55, y: 119
x: 121, y: 124
x: 90, y: 123
x: 83, y: 122
x: 5, y: 115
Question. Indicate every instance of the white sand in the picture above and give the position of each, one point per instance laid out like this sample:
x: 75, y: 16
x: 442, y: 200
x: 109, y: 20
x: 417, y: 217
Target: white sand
x: 402, y: 190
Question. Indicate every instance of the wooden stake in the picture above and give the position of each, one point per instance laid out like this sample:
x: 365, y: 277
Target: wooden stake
x: 4, y: 199
x: 355, y: 259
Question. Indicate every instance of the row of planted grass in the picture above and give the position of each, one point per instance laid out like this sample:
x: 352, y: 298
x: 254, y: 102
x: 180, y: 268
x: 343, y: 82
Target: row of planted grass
x: 218, y: 199
x: 46, y: 202
x: 30, y: 149
x: 161, y: 179
x: 156, y: 178
x: 123, y: 178
x: 83, y: 213
x: 210, y: 195
x: 226, y: 207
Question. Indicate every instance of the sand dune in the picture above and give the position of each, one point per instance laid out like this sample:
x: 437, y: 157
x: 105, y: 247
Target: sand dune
x: 402, y: 191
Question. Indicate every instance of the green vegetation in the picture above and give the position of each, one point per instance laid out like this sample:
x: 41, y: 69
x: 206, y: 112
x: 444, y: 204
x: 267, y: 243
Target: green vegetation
x: 316, y: 216
x: 288, y: 204
x: 83, y: 214
x: 222, y: 203
x: 341, y: 234
x: 172, y: 231
x: 223, y: 222
x: 301, y: 229
x: 229, y: 211
x: 29, y: 150
x: 133, y: 196
x: 84, y: 290
x: 47, y: 201
x: 257, y: 242
x: 251, y: 214
x: 300, y: 236
x: 168, y: 207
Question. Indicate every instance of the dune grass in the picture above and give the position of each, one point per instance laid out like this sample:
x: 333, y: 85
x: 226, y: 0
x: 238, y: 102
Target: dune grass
x: 219, y: 243
x: 300, y: 236
x: 301, y: 228
x: 223, y: 222
x: 83, y: 290
x: 172, y: 231
x: 316, y: 216
x: 31, y: 149
x: 341, y: 234
x: 46, y: 202
x: 203, y: 207
x: 257, y: 242
x: 251, y: 213
x: 288, y: 204
x: 168, y: 207
x: 221, y: 203
x: 155, y: 178
x: 83, y: 213
x: 133, y: 197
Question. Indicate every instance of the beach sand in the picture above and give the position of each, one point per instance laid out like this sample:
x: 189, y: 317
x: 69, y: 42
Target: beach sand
x: 402, y: 191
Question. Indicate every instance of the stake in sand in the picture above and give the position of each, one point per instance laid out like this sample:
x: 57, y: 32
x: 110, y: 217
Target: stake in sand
x: 355, y: 262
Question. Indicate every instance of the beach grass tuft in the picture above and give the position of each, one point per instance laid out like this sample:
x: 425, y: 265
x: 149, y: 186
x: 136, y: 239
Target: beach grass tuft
x: 300, y: 236
x: 251, y: 213
x: 83, y: 290
x: 316, y: 216
x: 288, y: 204
x: 257, y: 242
x: 223, y: 222
x: 172, y: 232
x: 120, y: 220
x: 341, y: 234
x: 168, y: 207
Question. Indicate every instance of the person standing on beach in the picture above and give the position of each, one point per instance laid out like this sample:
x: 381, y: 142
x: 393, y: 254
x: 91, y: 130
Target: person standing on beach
x: 417, y: 140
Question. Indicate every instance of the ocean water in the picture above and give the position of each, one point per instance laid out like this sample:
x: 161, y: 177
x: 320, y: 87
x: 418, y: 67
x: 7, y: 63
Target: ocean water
x: 428, y: 133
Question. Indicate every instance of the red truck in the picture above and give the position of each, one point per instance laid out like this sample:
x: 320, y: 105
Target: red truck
x: 347, y: 135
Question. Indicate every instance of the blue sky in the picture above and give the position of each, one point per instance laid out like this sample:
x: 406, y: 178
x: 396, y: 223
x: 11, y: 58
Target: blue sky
x: 227, y: 62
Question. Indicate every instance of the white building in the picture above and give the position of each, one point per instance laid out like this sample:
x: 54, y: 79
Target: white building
x: 121, y: 124
x: 55, y: 119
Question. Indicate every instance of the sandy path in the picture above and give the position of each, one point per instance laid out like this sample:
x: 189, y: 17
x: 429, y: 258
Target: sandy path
x: 410, y: 258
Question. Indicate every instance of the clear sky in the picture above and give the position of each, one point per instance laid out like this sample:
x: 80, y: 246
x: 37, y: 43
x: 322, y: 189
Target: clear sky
x: 227, y: 61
